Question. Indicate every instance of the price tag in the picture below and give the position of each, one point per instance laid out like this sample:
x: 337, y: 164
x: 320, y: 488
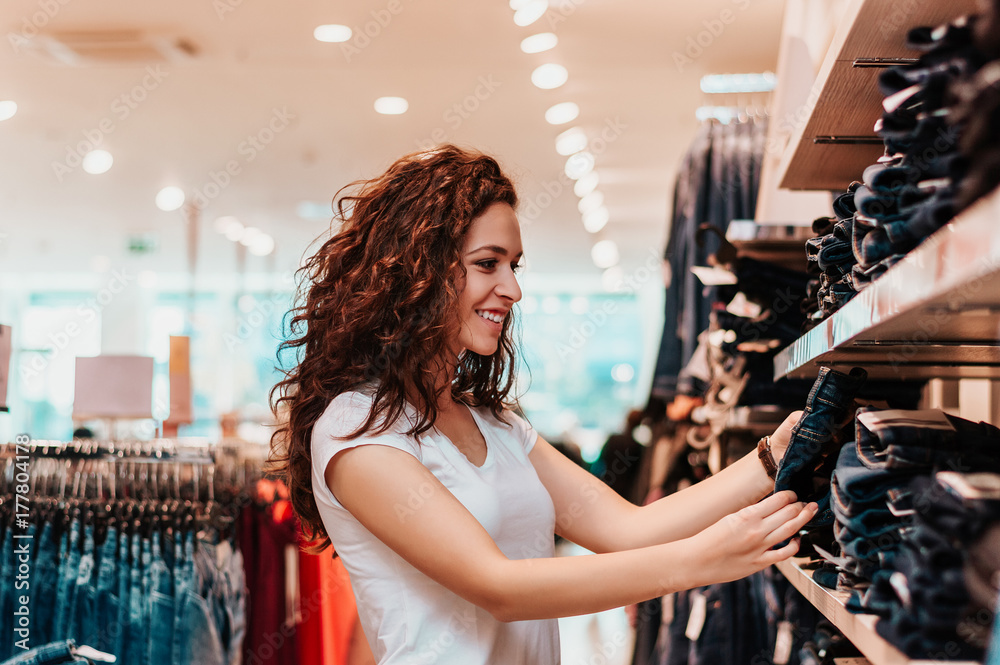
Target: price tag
x: 783, y: 643
x: 696, y: 620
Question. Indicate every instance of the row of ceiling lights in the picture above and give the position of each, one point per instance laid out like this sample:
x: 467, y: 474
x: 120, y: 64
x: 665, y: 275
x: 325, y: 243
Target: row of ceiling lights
x: 571, y: 143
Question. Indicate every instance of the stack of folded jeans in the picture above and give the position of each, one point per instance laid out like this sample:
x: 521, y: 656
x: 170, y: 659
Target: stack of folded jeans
x: 831, y: 256
x: 870, y: 507
x: 927, y: 609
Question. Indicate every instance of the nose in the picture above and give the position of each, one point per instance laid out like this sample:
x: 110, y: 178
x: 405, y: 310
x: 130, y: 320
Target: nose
x: 508, y: 287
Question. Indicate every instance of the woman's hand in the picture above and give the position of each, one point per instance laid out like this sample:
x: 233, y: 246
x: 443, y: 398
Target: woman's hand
x: 740, y: 544
x: 781, y: 436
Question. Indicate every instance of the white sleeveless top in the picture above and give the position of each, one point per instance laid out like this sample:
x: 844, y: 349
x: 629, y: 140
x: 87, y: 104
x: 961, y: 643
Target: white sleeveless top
x: 406, y: 616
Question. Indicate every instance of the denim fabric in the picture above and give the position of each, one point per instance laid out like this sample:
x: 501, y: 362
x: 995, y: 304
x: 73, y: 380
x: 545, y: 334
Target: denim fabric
x: 107, y: 598
x: 55, y: 653
x: 161, y: 607
x: 962, y: 447
x: 66, y: 589
x: 85, y: 628
x: 7, y: 566
x: 813, y: 438
x: 123, y: 583
x: 856, y: 488
x: 184, y: 583
x: 196, y: 628
x: 135, y: 635
x: 45, y: 580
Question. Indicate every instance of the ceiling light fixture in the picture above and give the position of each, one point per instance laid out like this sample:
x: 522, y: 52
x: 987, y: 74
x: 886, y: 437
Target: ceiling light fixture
x: 530, y: 12
x: 586, y: 184
x: 262, y: 245
x: 595, y: 220
x: 562, y: 113
x: 604, y: 253
x: 549, y: 77
x: 170, y: 198
x: 590, y: 202
x: 579, y: 165
x: 7, y: 109
x: 97, y: 162
x: 332, y: 33
x: 539, y: 43
x: 571, y: 141
x: 391, y: 105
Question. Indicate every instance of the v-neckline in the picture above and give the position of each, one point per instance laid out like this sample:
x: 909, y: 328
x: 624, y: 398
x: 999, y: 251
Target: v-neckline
x: 489, y: 448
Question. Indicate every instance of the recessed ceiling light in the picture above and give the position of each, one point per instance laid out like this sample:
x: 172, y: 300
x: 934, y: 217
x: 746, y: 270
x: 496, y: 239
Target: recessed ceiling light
x: 223, y: 224
x: 560, y: 114
x: 517, y: 4
x: 530, y: 12
x: 622, y: 372
x: 586, y: 184
x: 543, y: 41
x: 250, y: 234
x: 97, y: 162
x: 571, y: 141
x: 391, y: 105
x: 579, y: 165
x: 234, y: 230
x: 262, y: 245
x: 595, y: 220
x: 332, y: 33
x: 170, y: 198
x: 549, y: 77
x: 604, y: 253
x: 591, y: 201
x: 7, y: 109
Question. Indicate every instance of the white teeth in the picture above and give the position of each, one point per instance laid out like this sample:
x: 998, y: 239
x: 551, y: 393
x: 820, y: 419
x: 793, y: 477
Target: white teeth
x: 490, y: 316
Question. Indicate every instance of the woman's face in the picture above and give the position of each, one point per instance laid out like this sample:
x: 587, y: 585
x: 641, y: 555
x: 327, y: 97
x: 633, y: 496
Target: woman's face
x: 491, y: 255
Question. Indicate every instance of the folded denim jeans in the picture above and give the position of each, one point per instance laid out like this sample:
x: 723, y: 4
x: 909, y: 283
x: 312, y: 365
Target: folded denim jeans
x: 813, y: 439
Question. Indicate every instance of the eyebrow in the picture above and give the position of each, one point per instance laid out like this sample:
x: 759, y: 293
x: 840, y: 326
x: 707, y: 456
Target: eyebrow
x: 494, y: 248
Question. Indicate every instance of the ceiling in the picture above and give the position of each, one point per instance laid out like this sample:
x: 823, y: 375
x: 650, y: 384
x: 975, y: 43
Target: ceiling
x: 257, y: 68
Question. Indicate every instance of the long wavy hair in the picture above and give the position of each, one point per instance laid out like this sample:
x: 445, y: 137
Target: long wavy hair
x: 378, y: 304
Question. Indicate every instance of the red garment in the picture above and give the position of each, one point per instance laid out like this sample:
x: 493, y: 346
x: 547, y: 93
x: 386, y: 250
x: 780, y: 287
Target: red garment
x: 327, y: 607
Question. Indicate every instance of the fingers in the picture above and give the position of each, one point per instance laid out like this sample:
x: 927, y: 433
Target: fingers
x: 774, y: 556
x: 771, y: 504
x: 779, y: 517
x: 792, y: 526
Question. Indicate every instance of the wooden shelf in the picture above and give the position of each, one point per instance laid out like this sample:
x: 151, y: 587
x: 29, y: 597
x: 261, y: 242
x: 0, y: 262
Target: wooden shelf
x: 935, y: 314
x: 858, y: 628
x: 847, y: 99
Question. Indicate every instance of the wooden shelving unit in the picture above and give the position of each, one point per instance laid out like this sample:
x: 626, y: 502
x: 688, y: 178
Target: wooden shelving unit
x: 858, y: 628
x: 935, y: 314
x: 837, y: 141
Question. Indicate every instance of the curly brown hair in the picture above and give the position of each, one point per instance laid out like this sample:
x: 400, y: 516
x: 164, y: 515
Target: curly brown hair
x: 377, y: 303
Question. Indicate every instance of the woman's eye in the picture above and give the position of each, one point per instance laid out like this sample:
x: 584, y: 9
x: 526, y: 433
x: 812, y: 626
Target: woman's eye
x: 516, y: 267
x: 488, y: 264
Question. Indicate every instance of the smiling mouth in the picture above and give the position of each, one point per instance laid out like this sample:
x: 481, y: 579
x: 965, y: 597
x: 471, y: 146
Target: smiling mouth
x: 492, y: 317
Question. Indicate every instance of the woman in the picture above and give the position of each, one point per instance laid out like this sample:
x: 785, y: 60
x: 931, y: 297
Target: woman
x: 441, y: 502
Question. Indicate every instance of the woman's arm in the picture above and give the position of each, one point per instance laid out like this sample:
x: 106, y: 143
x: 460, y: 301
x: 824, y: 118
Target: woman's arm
x: 444, y: 541
x: 592, y: 515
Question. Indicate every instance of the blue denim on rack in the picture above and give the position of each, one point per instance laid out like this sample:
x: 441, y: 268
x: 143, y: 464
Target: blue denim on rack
x: 107, y: 598
x: 123, y: 583
x: 85, y: 629
x: 184, y: 583
x: 161, y: 607
x: 857, y: 488
x: 55, y: 653
x: 45, y: 577
x: 196, y: 630
x: 812, y: 439
x: 134, y: 651
x: 66, y: 590
x: 7, y: 566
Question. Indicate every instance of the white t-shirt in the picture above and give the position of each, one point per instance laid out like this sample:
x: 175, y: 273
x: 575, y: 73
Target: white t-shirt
x: 408, y: 617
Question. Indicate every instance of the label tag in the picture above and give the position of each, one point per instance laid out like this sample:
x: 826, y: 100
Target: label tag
x: 714, y: 276
x: 783, y: 643
x: 696, y: 621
